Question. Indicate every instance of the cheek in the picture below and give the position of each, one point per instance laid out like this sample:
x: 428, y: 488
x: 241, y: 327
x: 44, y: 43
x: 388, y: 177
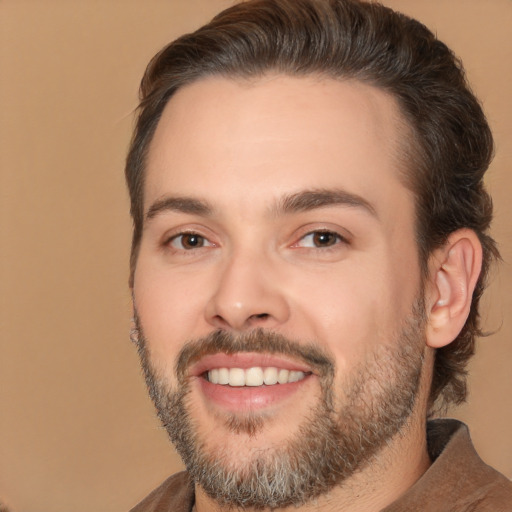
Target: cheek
x: 344, y: 318
x: 353, y: 309
x: 170, y: 307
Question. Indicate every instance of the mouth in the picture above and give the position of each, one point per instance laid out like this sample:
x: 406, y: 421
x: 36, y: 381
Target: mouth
x: 248, y: 381
x: 254, y: 377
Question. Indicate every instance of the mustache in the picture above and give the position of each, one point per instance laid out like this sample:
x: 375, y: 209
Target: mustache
x: 258, y: 341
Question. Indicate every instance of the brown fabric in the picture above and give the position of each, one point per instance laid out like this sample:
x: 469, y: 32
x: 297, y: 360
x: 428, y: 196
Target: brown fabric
x: 457, y: 481
x: 176, y: 494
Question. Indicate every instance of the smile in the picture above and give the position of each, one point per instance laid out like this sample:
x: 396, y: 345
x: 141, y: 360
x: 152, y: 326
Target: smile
x: 254, y: 377
x: 249, y: 381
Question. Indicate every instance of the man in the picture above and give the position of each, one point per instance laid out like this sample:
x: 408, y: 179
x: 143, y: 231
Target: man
x: 310, y: 246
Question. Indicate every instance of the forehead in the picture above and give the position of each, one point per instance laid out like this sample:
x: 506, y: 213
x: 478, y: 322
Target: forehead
x: 275, y: 135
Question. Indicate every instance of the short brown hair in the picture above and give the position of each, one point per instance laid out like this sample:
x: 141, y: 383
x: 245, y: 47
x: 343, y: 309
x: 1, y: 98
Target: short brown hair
x: 451, y: 146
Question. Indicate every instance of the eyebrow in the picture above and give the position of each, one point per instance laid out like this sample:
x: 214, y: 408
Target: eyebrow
x: 322, y: 198
x: 179, y: 204
x: 294, y: 203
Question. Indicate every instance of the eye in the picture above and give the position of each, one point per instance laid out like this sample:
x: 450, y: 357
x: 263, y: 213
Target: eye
x: 320, y: 239
x: 189, y: 241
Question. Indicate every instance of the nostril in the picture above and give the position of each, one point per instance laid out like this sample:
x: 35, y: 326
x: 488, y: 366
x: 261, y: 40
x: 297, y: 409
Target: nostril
x: 220, y: 321
x: 258, y: 320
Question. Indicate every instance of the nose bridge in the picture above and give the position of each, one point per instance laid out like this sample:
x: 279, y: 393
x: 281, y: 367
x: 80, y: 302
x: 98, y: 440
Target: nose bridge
x: 247, y: 294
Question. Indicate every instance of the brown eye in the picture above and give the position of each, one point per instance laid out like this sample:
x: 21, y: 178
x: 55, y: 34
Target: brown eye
x: 320, y: 239
x: 192, y: 241
x: 189, y: 241
x: 324, y: 238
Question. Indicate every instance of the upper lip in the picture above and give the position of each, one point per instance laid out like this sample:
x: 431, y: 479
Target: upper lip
x: 246, y: 360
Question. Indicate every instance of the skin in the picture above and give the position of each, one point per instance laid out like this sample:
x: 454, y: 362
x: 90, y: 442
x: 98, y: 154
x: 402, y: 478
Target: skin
x: 242, y: 148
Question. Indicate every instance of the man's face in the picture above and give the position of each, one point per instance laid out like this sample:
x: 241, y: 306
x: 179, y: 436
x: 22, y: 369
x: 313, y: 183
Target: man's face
x: 278, y: 251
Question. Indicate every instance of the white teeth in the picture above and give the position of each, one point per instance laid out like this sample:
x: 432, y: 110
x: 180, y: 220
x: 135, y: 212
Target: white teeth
x: 223, y: 376
x: 295, y: 376
x: 270, y: 376
x: 236, y: 377
x: 213, y: 376
x: 282, y: 376
x: 256, y: 376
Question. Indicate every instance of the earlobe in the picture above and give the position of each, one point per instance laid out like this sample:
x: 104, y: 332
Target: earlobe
x: 454, y: 270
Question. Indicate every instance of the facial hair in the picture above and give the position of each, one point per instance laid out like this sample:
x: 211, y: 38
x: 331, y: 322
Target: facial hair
x: 331, y: 444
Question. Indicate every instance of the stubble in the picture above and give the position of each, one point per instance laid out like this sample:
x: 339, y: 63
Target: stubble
x: 334, y: 441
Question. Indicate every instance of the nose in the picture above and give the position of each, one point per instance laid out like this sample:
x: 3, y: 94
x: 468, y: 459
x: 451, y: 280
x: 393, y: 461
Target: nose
x: 248, y: 295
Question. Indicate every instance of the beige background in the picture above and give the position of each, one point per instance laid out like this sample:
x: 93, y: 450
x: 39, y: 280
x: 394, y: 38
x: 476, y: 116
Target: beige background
x: 77, y: 432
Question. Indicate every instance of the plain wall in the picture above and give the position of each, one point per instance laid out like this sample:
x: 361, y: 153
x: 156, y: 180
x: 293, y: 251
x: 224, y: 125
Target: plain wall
x: 77, y: 432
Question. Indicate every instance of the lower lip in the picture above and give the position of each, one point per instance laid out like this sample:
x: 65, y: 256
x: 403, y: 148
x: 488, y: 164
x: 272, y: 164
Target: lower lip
x: 247, y: 398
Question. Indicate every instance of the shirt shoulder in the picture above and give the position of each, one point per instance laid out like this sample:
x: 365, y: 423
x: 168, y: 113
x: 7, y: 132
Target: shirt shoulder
x: 458, y: 480
x: 176, y: 494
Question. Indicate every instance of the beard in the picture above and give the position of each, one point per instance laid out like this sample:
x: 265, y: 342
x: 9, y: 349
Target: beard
x: 334, y: 441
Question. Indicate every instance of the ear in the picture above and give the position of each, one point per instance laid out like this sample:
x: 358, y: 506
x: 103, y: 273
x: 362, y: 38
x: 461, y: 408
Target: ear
x: 454, y: 270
